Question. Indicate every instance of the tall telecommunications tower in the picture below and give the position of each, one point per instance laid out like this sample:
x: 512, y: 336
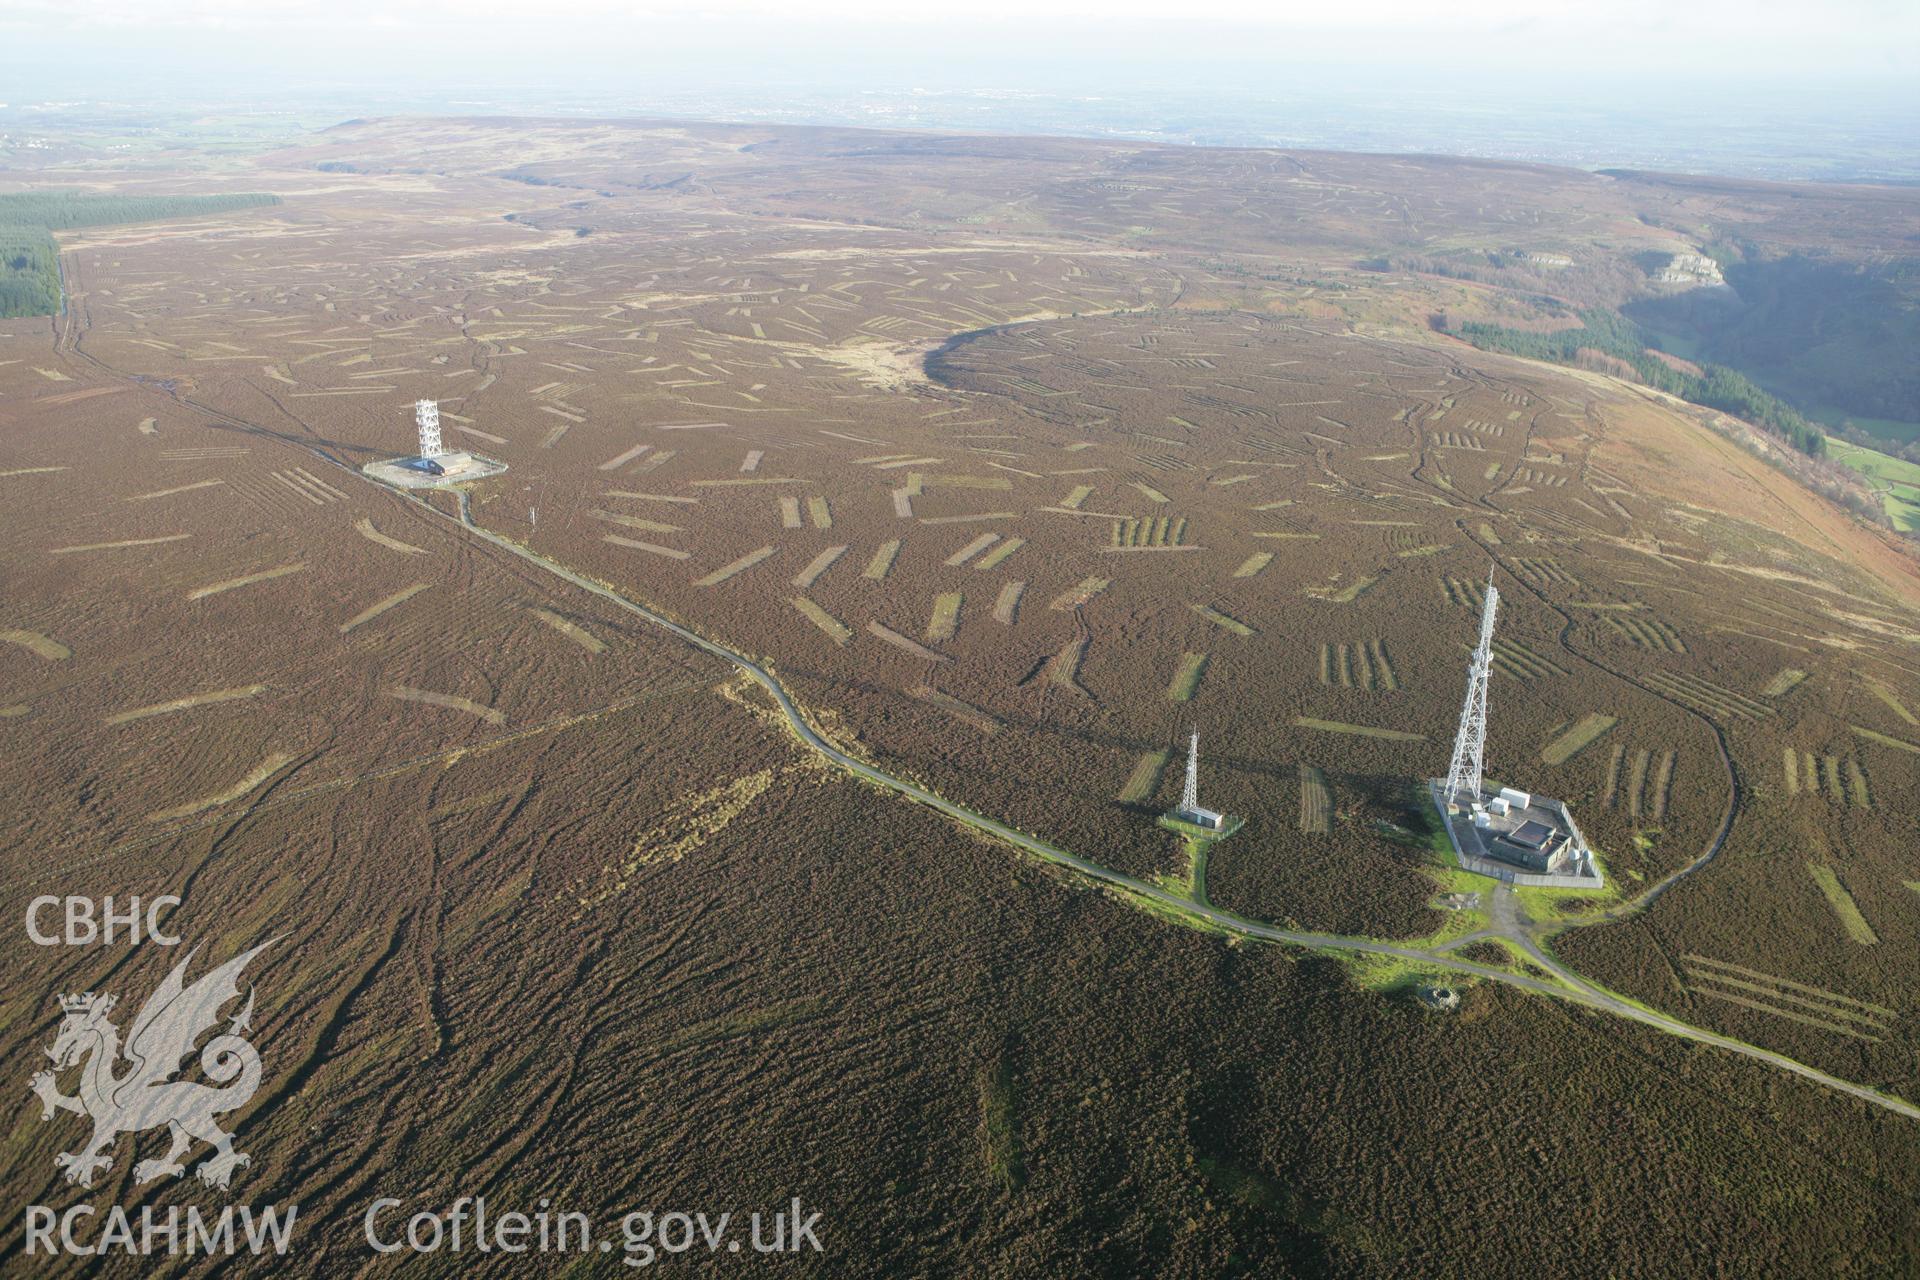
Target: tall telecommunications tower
x: 1190, y: 798
x: 426, y: 416
x: 1470, y: 744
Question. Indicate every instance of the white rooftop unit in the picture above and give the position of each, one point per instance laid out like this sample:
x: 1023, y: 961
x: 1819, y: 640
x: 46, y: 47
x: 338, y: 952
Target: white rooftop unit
x: 1518, y: 799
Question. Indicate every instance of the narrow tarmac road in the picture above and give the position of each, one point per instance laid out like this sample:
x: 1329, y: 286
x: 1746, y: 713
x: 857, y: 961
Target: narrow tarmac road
x: 1569, y: 986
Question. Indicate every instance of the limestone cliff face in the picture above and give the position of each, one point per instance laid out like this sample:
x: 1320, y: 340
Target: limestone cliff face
x: 1695, y: 269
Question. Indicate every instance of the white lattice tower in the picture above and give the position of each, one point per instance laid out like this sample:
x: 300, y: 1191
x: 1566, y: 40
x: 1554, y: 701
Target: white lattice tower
x: 426, y: 416
x: 1470, y: 744
x: 1190, y: 798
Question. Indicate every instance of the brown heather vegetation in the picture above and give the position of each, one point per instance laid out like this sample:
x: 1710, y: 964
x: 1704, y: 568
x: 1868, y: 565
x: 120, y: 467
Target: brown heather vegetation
x: 566, y: 913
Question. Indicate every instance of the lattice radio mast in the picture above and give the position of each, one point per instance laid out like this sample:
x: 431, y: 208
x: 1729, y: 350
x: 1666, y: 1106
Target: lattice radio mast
x: 1470, y: 744
x: 1190, y: 798
x: 426, y: 416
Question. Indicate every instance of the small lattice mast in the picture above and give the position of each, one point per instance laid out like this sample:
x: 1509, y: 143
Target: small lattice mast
x: 1470, y: 744
x: 426, y: 416
x: 1190, y: 798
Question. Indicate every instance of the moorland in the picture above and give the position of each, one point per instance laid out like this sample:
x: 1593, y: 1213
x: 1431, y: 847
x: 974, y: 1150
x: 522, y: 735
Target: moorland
x: 1012, y: 462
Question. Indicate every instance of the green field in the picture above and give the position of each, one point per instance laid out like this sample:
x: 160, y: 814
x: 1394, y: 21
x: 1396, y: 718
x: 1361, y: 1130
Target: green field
x: 1895, y: 480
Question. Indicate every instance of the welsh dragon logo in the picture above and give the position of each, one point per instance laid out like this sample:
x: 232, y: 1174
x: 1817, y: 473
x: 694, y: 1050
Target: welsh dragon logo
x: 146, y: 1095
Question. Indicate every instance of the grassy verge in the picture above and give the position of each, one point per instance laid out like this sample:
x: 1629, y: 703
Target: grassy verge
x: 1172, y: 913
x: 1196, y: 842
x: 1455, y: 924
x: 1567, y: 906
x: 1395, y: 975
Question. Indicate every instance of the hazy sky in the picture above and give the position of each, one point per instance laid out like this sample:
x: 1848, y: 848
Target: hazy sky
x: 1753, y: 87
x: 76, y: 46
